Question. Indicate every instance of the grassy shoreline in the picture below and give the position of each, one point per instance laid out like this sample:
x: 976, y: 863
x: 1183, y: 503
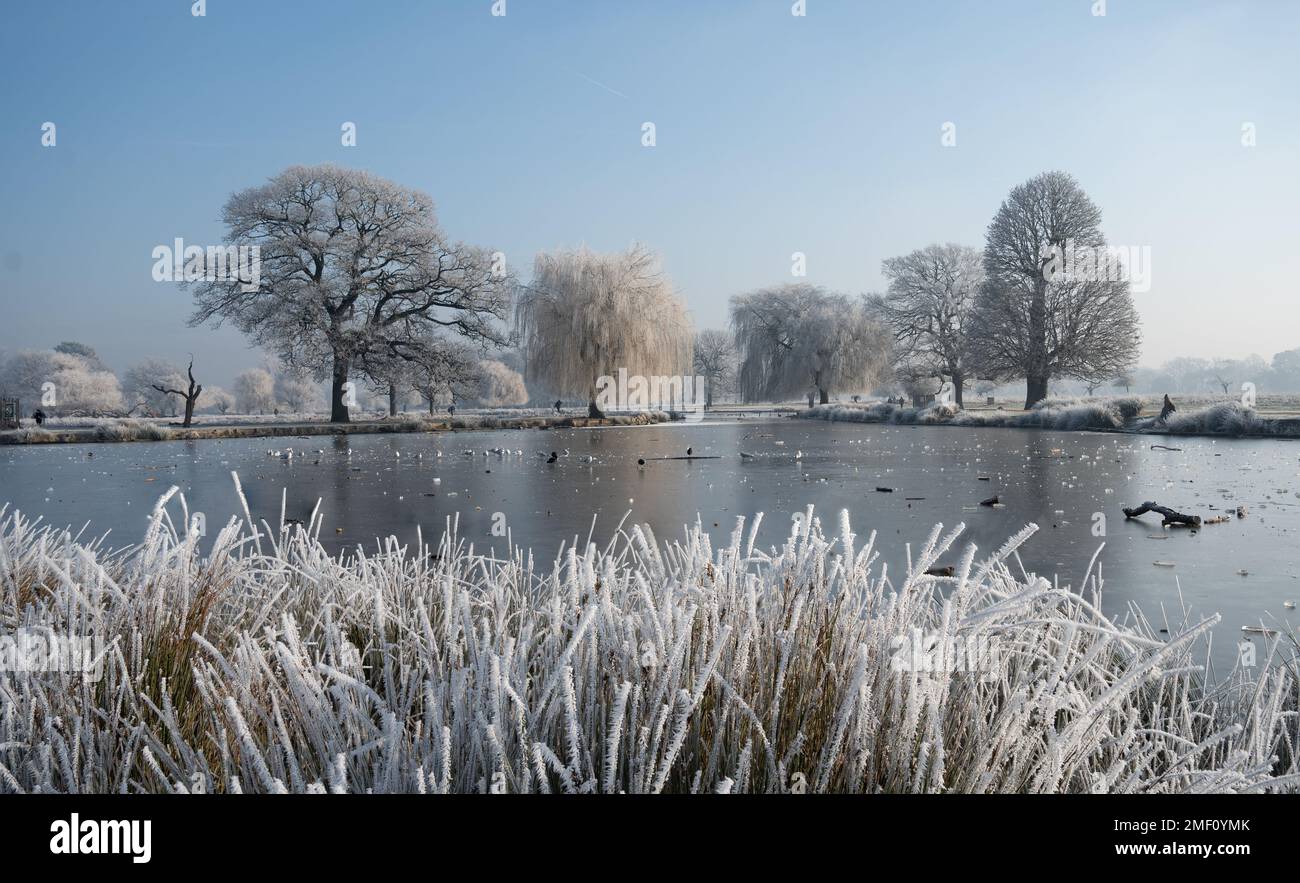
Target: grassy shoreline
x: 1121, y: 415
x: 144, y: 430
x: 272, y: 666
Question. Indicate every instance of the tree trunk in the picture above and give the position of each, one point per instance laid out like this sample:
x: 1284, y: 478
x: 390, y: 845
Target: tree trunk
x: 189, y: 410
x: 593, y: 411
x: 1036, y: 371
x: 958, y: 381
x: 1035, y: 390
x: 825, y: 396
x: 338, y: 405
x: 392, y: 400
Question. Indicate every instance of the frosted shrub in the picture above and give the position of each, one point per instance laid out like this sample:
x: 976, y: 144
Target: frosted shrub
x: 270, y: 665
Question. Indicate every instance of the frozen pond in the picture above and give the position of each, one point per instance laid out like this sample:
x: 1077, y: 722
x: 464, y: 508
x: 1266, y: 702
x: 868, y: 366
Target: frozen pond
x: 390, y: 484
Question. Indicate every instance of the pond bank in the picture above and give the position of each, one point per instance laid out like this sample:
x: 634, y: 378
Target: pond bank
x: 1073, y: 415
x: 144, y: 430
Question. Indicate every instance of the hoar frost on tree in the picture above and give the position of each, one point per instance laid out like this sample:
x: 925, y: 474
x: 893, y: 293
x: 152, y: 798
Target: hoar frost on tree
x: 798, y: 339
x: 587, y: 315
x: 927, y: 310
x: 500, y: 386
x: 79, y: 385
x: 255, y: 391
x: 1030, y: 321
x: 354, y: 269
x: 216, y: 400
x: 296, y: 390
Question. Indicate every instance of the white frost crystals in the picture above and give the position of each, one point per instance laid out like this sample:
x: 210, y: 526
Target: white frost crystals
x: 269, y: 665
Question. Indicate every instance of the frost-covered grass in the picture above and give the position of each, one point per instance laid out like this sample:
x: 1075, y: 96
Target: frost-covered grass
x: 270, y: 665
x: 132, y: 430
x: 1062, y: 414
x: 1107, y: 413
x: 1226, y: 418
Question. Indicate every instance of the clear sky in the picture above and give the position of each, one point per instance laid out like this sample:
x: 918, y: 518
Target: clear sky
x: 775, y: 134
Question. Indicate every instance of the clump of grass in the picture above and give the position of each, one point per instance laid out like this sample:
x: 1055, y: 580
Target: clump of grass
x: 131, y: 430
x: 270, y: 665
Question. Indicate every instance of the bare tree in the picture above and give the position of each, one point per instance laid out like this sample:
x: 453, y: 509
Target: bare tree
x: 447, y: 370
x: 350, y: 264
x: 1031, y: 320
x: 1222, y: 370
x: 587, y: 315
x: 927, y: 307
x: 190, y: 394
x: 794, y: 339
x: 715, y: 361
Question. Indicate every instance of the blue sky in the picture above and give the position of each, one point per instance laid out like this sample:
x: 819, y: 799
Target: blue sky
x: 775, y: 134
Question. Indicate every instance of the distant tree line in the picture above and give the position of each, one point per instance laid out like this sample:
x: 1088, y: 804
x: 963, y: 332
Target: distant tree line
x: 363, y: 297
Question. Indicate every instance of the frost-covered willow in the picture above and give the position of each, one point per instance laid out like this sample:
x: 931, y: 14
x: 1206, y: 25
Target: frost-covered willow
x: 271, y: 666
x: 799, y: 339
x: 587, y: 315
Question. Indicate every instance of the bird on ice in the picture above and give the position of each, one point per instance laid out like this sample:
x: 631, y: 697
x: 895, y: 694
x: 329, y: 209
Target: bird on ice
x: 552, y: 458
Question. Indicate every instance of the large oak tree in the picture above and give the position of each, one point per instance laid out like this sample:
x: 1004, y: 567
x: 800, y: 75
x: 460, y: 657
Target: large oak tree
x: 354, y: 271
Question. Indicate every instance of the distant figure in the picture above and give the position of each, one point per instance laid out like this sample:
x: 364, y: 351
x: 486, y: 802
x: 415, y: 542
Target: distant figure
x: 554, y: 456
x: 1167, y: 409
x: 559, y: 406
x: 451, y: 410
x: 39, y: 416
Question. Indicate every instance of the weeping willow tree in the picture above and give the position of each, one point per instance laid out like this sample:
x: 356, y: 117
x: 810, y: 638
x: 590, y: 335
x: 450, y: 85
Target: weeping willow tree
x: 587, y: 315
x: 801, y: 339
